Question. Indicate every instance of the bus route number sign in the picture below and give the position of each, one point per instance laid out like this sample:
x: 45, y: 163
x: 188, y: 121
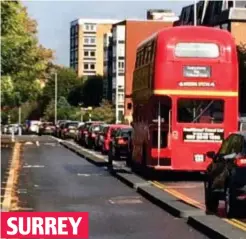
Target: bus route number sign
x: 203, y: 135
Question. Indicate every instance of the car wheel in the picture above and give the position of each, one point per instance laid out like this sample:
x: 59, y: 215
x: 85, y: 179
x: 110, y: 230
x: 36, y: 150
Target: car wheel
x: 211, y: 198
x: 110, y: 159
x: 230, y: 203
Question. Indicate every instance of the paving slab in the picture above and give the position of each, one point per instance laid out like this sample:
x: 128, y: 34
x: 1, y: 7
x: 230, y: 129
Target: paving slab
x: 215, y: 227
x: 168, y: 202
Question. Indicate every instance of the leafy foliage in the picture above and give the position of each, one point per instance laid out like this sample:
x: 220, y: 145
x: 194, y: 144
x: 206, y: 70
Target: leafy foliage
x: 66, y: 81
x: 22, y: 57
x: 105, y: 112
x: 93, y: 91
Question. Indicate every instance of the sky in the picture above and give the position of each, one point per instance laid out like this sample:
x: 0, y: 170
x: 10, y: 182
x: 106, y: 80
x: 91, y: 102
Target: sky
x: 54, y: 17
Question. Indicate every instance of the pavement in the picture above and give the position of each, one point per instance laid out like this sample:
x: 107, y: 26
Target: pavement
x: 53, y: 178
x: 6, y: 151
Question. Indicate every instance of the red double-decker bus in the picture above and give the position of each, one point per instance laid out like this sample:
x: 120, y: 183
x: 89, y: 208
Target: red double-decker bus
x: 185, y: 97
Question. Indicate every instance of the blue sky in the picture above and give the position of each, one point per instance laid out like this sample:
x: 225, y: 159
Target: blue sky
x: 54, y: 17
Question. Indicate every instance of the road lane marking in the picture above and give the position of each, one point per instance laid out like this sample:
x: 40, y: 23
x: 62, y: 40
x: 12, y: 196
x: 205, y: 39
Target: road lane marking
x: 37, y: 143
x: 183, y: 197
x: 7, y: 199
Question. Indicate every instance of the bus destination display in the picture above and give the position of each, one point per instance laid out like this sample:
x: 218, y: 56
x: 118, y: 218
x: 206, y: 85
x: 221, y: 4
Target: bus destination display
x: 197, y: 71
x: 203, y: 134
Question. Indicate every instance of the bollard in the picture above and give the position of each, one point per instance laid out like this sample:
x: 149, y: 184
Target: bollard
x: 13, y: 136
x: 20, y: 131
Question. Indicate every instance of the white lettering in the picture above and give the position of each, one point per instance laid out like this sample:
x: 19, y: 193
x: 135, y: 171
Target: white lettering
x: 74, y: 224
x: 22, y: 231
x: 12, y: 226
x: 37, y: 226
x: 62, y: 225
x: 50, y: 226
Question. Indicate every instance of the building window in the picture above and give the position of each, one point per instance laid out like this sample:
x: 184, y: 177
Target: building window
x: 76, y: 55
x: 92, y: 66
x: 76, y: 41
x: 86, y: 66
x: 86, y: 40
x: 92, y: 53
x: 121, y: 65
x: 90, y: 40
x: 121, y: 42
x: 90, y: 27
x: 76, y: 29
x: 86, y: 53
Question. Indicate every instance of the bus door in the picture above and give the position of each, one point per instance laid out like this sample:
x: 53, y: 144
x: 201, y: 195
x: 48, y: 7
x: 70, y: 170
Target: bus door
x: 159, y: 132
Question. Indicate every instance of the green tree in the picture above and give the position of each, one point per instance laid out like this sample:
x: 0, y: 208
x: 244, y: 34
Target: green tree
x: 105, y: 112
x: 22, y: 57
x: 93, y: 91
x: 66, y: 81
x: 7, y: 91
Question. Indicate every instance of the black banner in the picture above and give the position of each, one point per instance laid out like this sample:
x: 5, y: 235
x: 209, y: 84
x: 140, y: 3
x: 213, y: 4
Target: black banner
x: 203, y: 135
x: 197, y: 71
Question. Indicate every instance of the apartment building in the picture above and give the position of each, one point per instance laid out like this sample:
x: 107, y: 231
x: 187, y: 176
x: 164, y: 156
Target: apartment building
x: 107, y: 66
x: 227, y: 15
x: 161, y: 15
x: 86, y: 45
x: 135, y: 32
x: 118, y: 70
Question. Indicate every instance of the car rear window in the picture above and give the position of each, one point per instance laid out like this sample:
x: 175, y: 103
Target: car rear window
x: 72, y: 124
x: 126, y: 132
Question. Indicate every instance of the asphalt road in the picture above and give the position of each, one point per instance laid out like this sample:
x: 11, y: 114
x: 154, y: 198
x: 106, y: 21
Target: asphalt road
x: 6, y: 153
x: 55, y: 179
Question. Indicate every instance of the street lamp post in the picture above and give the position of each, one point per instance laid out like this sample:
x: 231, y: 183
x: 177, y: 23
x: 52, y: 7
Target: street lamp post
x: 195, y: 13
x: 55, y: 98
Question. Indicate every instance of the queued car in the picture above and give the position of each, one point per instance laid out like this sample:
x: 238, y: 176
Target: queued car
x: 107, y: 136
x: 99, y: 139
x: 119, y: 146
x: 83, y: 132
x: 47, y: 128
x: 91, y: 134
x: 75, y: 135
x: 59, y: 126
x: 225, y: 177
x: 68, y: 129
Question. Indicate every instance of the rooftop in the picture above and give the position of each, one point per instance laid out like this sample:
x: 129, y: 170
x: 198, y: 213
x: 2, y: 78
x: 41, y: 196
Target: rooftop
x: 94, y: 21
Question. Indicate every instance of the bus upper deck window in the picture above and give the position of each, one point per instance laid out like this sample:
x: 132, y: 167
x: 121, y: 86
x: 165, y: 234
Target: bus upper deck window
x: 197, y: 50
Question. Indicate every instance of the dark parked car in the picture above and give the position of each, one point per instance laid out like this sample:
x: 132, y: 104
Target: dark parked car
x: 119, y: 145
x: 47, y: 128
x: 225, y: 177
x: 93, y: 130
x: 83, y: 132
x: 68, y: 129
x: 100, y: 136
